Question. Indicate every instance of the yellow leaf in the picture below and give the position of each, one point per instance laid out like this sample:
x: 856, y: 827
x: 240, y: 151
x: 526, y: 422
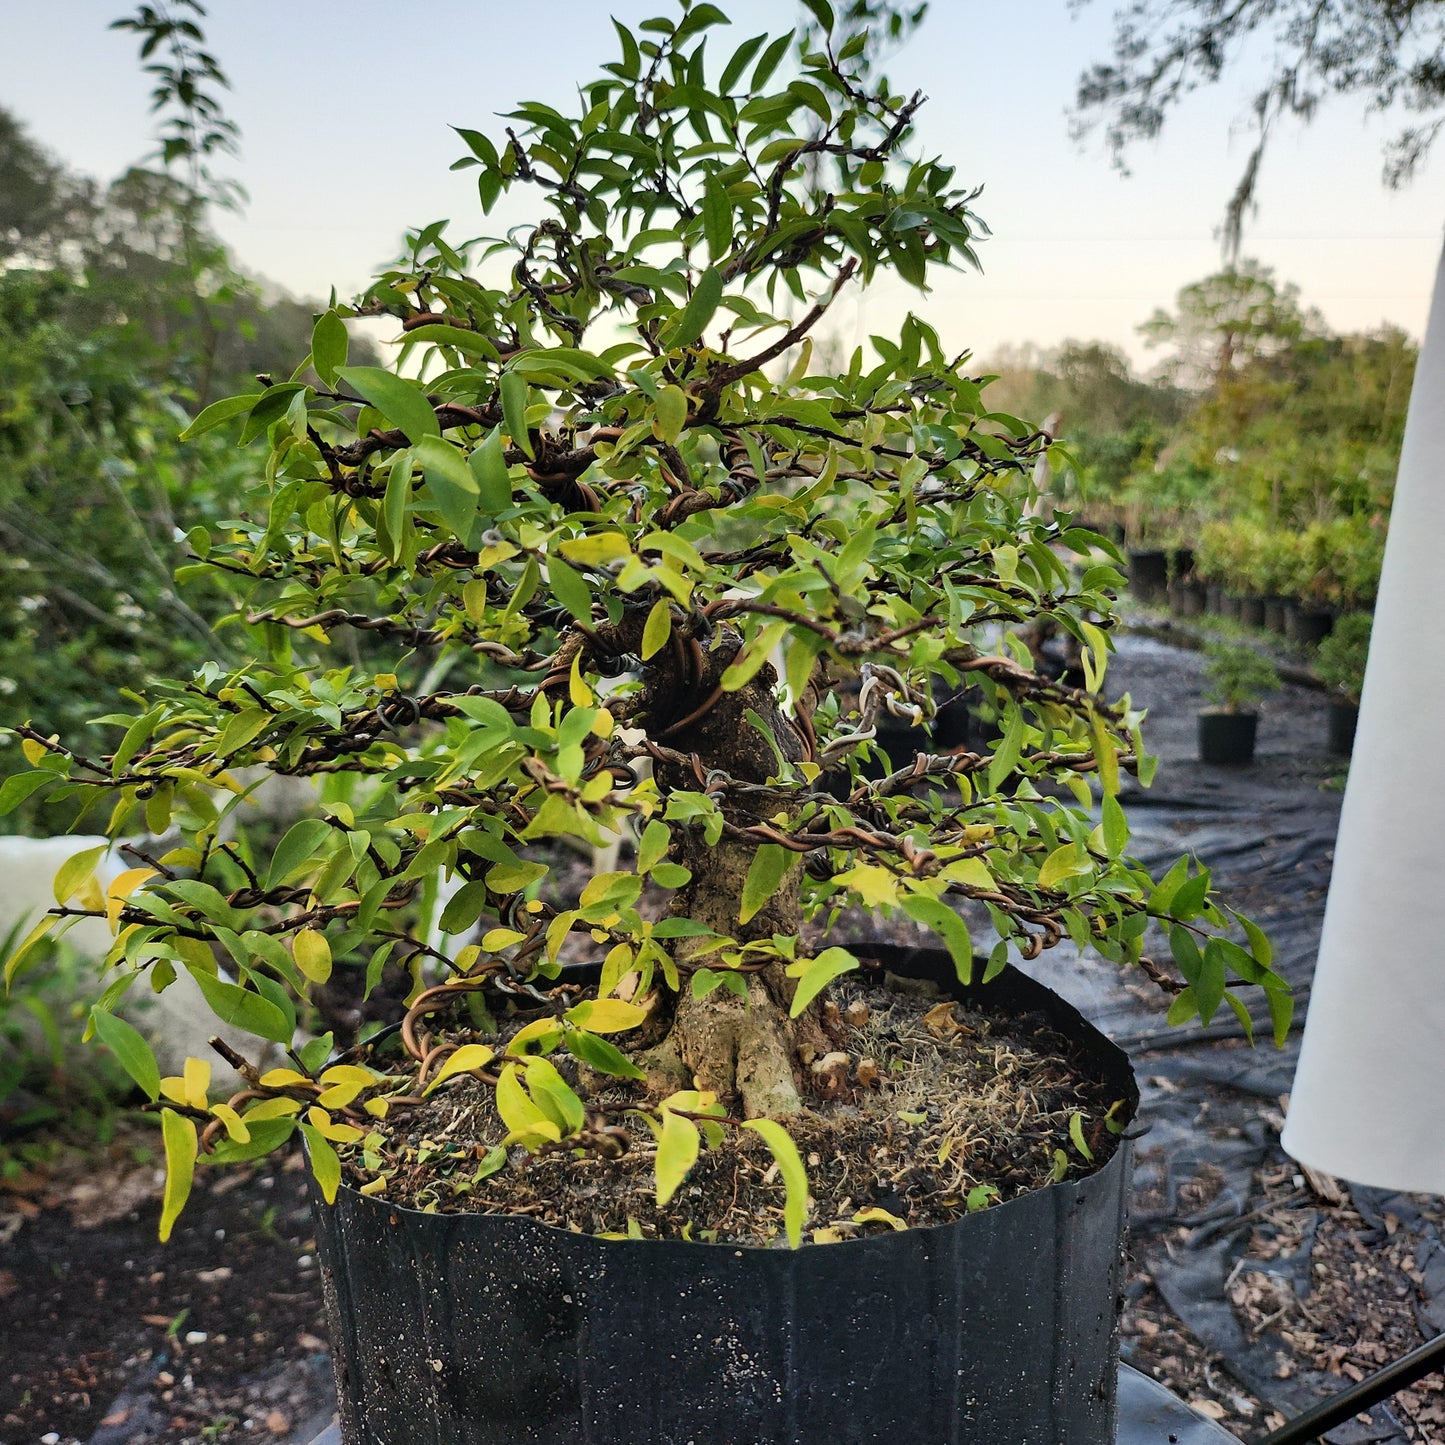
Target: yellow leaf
x: 545, y: 1034
x: 377, y: 1108
x: 1105, y: 756
x: 463, y: 1061
x: 349, y: 1074
x: 75, y: 873
x: 500, y: 938
x: 120, y: 889
x: 235, y: 1125
x: 197, y: 1075
x: 179, y: 1135
x: 879, y: 1216
x: 312, y: 954
x: 577, y: 688
x: 338, y: 1096
x: 1066, y: 861
x: 273, y: 1109
x: 521, y: 1116
x: 33, y: 751
x: 874, y: 885
x: 374, y: 1186
x: 606, y: 1015
x: 280, y: 1078
x: 657, y: 629
x: 972, y: 872
x: 324, y: 1125
x: 677, y: 1150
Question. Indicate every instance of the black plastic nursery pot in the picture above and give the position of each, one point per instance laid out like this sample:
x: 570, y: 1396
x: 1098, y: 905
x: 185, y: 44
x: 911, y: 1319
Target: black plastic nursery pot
x: 1306, y: 625
x: 1227, y: 738
x: 1274, y: 612
x: 1342, y: 716
x: 1187, y: 598
x: 1148, y: 574
x: 1251, y: 610
x: 997, y: 1329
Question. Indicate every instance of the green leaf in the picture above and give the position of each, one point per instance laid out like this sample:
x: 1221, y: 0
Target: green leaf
x: 746, y: 665
x: 181, y: 1145
x: 27, y: 945
x: 130, y: 1049
x: 19, y: 786
x: 1115, y: 825
x: 1242, y: 1014
x: 556, y: 1099
x: 717, y: 218
x: 1182, y: 1009
x: 217, y: 413
x: 1188, y: 900
x: 401, y: 402
x: 815, y: 974
x: 514, y: 409
x: 934, y: 913
x: 657, y: 629
x: 74, y: 871
x: 822, y: 12
x: 597, y: 1053
x: 329, y: 343
x: 1076, y: 1134
x: 794, y: 1176
x: 1281, y: 1011
x: 1259, y: 944
x: 671, y: 409
x: 489, y: 467
x: 1209, y: 986
x: 1168, y: 886
x: 1186, y: 954
x: 1006, y: 757
x: 233, y: 1004
x: 569, y: 589
x: 451, y: 483
x: 1068, y: 860
x: 699, y: 310
x: 765, y: 872
x: 324, y: 1163
x: 677, y: 1151
x: 300, y: 843
x: 241, y: 728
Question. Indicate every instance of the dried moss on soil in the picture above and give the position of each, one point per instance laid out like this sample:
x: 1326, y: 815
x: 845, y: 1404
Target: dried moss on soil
x: 952, y: 1106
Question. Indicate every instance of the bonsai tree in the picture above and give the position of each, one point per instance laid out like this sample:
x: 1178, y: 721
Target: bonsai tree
x: 1237, y: 676
x: 640, y: 559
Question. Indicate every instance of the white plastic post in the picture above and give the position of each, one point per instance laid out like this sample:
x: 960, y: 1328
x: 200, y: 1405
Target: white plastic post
x: 1369, y: 1093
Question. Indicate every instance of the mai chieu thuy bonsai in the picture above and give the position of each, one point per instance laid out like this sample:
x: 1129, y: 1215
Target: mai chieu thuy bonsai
x: 626, y: 546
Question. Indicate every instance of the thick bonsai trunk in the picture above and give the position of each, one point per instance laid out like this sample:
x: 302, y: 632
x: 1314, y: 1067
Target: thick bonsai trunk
x: 747, y: 1051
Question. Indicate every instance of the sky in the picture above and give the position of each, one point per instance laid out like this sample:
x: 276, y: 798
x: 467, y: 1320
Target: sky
x: 345, y: 112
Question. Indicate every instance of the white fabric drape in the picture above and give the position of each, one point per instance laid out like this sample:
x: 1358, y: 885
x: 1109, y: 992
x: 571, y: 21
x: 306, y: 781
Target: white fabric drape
x: 1369, y: 1094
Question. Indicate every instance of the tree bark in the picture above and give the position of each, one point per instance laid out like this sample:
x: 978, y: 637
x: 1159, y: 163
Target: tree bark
x: 744, y: 1050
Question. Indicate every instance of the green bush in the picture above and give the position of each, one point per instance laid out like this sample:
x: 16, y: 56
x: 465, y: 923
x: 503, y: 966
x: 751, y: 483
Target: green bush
x: 1341, y: 659
x: 1237, y: 676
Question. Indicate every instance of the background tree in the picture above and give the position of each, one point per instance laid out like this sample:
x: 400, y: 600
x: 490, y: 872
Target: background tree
x: 1390, y: 52
x: 119, y: 312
